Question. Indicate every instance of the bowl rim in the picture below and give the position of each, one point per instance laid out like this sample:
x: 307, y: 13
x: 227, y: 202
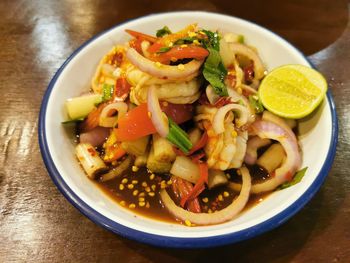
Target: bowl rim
x: 168, y: 241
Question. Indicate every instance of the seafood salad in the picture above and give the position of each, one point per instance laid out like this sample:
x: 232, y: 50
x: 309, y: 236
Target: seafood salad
x: 173, y: 127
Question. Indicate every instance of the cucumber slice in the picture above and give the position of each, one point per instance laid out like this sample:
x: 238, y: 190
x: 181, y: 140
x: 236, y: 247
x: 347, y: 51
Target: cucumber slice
x: 80, y: 107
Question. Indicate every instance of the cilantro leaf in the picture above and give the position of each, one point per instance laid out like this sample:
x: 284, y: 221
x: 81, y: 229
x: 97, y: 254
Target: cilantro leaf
x: 296, y: 179
x: 213, y: 40
x: 214, y: 72
x: 164, y: 31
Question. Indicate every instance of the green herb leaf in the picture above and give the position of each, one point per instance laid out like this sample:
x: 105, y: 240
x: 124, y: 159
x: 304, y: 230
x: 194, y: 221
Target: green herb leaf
x: 178, y: 137
x: 107, y: 92
x: 185, y: 40
x: 213, y: 40
x: 296, y: 179
x: 164, y: 31
x: 256, y: 103
x: 214, y: 72
x: 164, y: 49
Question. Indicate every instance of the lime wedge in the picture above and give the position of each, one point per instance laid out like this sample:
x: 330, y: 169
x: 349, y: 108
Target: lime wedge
x: 292, y: 91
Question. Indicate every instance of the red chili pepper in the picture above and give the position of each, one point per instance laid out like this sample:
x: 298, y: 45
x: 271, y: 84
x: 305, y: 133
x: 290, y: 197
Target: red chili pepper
x: 199, y: 186
x: 222, y: 101
x: 196, y: 157
x: 122, y: 88
x: 182, y: 188
x: 141, y: 36
x: 200, y: 144
x: 249, y: 73
x: 136, y: 44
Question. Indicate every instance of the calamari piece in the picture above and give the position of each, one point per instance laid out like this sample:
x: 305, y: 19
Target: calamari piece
x: 241, y: 147
x: 178, y: 93
x: 213, y: 148
x: 229, y: 148
x: 135, y: 75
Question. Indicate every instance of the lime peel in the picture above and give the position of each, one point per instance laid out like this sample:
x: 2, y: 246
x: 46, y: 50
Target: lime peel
x: 292, y: 91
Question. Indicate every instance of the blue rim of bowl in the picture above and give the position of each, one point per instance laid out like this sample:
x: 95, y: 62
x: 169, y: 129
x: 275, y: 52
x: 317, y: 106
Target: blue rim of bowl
x: 180, y: 242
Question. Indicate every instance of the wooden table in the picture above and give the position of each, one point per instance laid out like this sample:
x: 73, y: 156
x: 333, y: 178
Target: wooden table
x: 38, y: 224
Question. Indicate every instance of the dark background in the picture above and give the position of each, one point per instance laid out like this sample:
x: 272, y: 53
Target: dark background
x: 38, y: 224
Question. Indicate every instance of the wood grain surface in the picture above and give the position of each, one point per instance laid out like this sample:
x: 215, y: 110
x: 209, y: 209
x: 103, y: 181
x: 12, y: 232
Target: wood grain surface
x: 37, y: 224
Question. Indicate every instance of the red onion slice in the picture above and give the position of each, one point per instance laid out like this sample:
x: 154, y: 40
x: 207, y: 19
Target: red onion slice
x: 246, y: 51
x: 96, y: 137
x: 253, y: 145
x: 218, y: 217
x: 105, y: 120
x: 268, y: 116
x: 158, y: 118
x: 270, y: 130
x: 160, y: 70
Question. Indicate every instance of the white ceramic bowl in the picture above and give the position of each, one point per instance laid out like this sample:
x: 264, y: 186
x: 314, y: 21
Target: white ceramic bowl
x: 318, y: 137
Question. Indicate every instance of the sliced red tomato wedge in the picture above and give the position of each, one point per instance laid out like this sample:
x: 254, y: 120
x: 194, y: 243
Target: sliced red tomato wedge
x: 136, y: 123
x: 181, y: 52
x: 179, y: 113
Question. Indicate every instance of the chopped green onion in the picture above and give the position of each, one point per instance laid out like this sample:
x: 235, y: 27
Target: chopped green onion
x: 164, y: 49
x: 185, y: 40
x: 256, y: 103
x: 107, y: 92
x: 240, y: 39
x: 164, y: 31
x: 179, y: 137
x: 296, y: 179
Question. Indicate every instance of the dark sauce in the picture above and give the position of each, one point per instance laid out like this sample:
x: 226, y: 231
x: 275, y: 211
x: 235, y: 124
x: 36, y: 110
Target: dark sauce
x: 139, y: 194
x: 143, y: 196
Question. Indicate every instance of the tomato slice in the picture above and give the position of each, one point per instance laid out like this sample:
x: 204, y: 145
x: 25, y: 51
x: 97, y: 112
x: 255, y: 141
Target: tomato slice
x: 136, y: 123
x: 179, y: 113
x: 181, y: 52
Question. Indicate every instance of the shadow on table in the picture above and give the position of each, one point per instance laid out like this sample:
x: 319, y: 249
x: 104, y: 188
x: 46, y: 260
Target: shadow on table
x: 309, y: 25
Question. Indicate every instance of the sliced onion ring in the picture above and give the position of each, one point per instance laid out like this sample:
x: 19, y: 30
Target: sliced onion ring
x: 246, y: 51
x: 253, y: 145
x: 218, y: 217
x: 268, y: 116
x: 160, y: 70
x: 219, y: 118
x: 105, y: 120
x: 266, y: 129
x: 159, y: 120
